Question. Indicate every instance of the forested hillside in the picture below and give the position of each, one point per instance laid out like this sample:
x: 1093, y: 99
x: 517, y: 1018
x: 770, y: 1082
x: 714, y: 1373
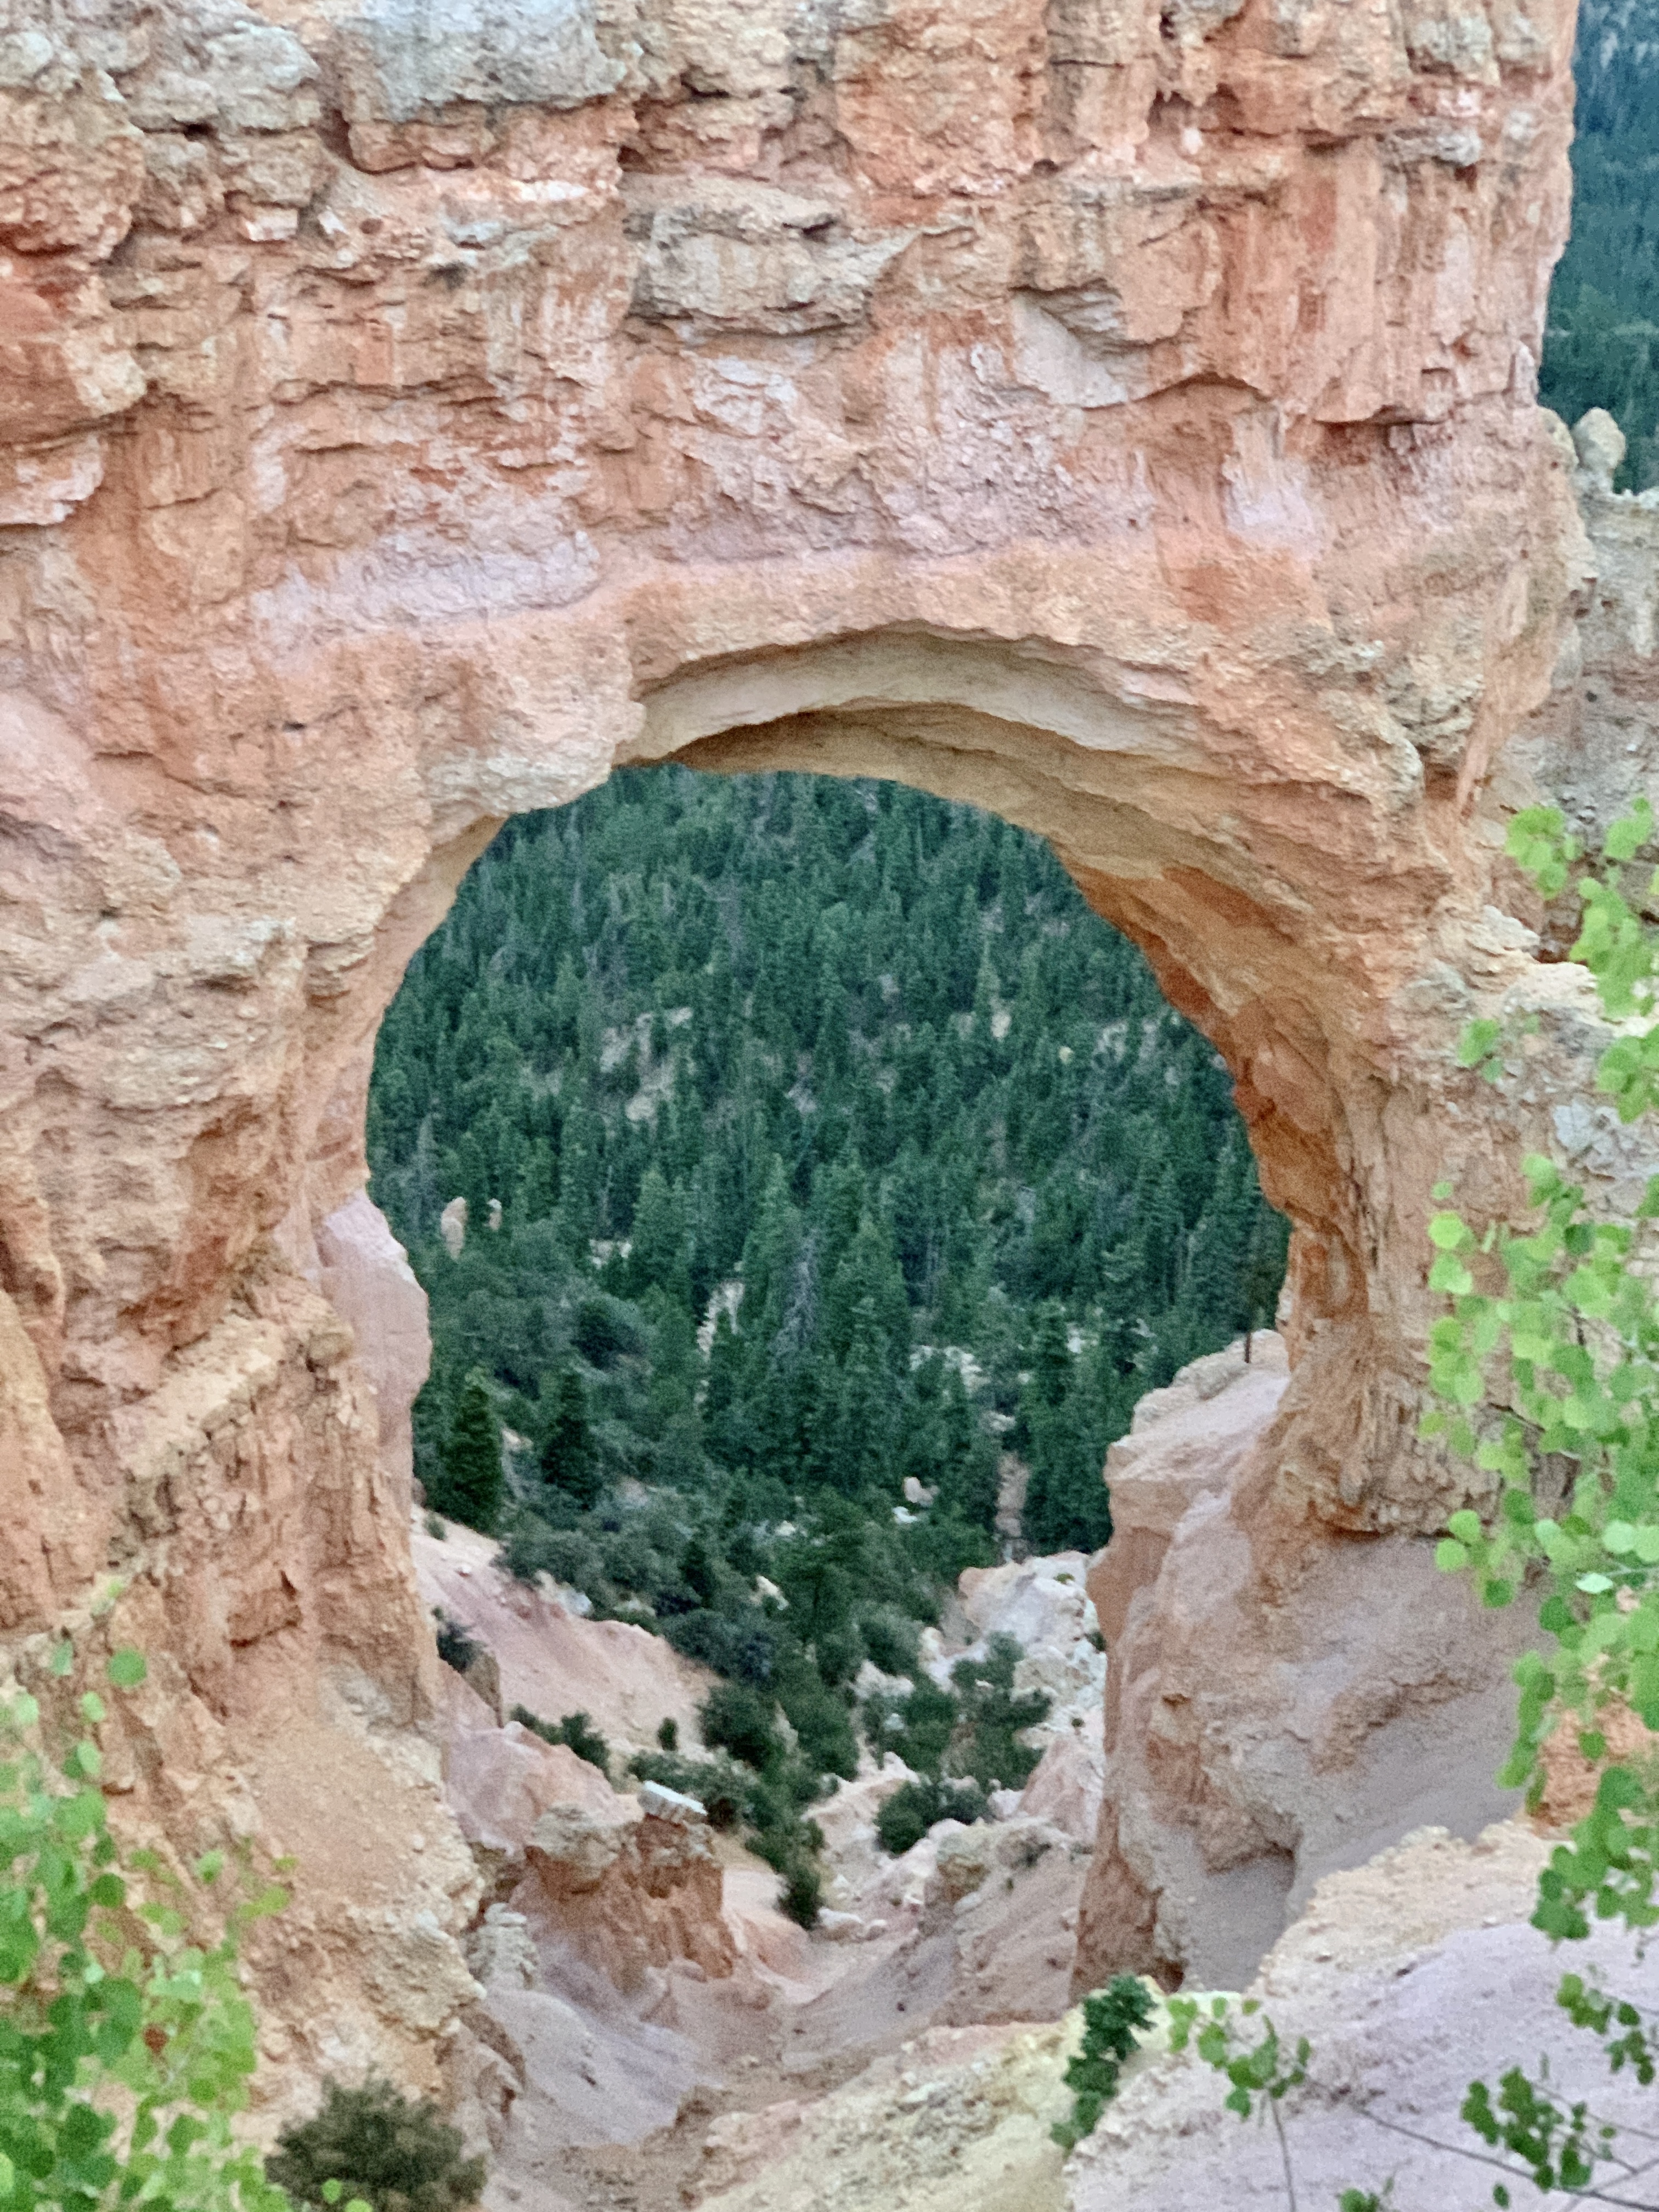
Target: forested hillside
x: 1602, y: 345
x: 852, y: 1076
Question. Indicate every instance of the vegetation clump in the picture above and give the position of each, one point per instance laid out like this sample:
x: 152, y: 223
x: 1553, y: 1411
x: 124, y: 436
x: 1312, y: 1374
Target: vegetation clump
x: 1113, y: 2019
x: 389, y: 2152
x: 127, y: 2043
x: 457, y: 1648
x: 575, y: 1730
x: 839, y: 1151
x: 916, y: 1807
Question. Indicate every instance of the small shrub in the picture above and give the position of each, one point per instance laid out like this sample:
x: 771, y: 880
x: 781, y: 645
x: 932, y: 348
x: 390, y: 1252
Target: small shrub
x: 994, y: 1717
x: 802, y: 1895
x: 838, y: 1654
x: 569, y: 1555
x: 911, y: 1811
x: 605, y: 1330
x: 668, y: 1735
x: 575, y: 1730
x: 397, y: 2155
x: 436, y: 1526
x: 738, y: 1719
x: 455, y: 1647
x: 822, y: 1725
x: 126, y: 2039
x: 746, y: 1650
x: 891, y: 1641
x: 928, y: 1720
x: 1112, y: 2020
x: 719, y: 1785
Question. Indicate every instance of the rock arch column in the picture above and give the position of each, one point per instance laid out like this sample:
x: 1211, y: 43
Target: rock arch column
x: 1121, y: 418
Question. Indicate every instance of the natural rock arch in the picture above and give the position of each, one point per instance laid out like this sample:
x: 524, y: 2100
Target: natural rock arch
x: 1122, y: 419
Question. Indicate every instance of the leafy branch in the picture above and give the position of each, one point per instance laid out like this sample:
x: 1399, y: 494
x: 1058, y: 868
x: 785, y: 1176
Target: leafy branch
x: 126, y: 2042
x: 1258, y: 2074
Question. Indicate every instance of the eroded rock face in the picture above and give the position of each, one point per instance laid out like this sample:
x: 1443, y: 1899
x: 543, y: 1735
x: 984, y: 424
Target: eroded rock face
x: 1119, y: 416
x: 1267, y: 1718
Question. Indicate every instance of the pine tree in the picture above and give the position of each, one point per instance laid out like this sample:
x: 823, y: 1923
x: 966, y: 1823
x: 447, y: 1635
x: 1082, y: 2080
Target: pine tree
x: 569, y: 1462
x: 471, y: 1486
x: 660, y: 1252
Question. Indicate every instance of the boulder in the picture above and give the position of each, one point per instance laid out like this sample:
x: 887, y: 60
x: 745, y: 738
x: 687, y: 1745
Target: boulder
x: 622, y: 1896
x: 1067, y: 1782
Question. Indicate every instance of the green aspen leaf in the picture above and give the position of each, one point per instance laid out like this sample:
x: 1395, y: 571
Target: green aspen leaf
x: 1451, y: 1276
x: 126, y: 1669
x: 1477, y: 1040
x: 333, y: 2191
x: 1449, y: 1556
x: 24, y: 1711
x: 1626, y: 836
x: 1646, y: 1546
x: 1619, y: 1537
x: 1465, y: 1525
x: 92, y: 1708
x: 1448, y: 1232
x: 1593, y: 1585
x: 62, y: 1659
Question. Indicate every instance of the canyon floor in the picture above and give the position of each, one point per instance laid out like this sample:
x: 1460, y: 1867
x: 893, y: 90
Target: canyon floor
x: 650, y: 2032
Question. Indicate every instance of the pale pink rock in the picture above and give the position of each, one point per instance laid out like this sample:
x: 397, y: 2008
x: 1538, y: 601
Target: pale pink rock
x: 1066, y: 1784
x: 625, y: 1679
x: 364, y: 1273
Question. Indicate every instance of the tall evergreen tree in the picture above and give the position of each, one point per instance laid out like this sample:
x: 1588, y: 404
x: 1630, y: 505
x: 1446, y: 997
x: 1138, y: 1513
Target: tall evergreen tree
x: 569, y: 1463
x: 471, y: 1485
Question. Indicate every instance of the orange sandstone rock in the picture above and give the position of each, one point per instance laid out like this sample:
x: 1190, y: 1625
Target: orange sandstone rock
x: 1120, y: 415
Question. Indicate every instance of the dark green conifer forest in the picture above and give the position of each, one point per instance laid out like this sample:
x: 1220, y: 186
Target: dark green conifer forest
x: 1601, y: 349
x: 844, y: 1164
x: 834, y: 1142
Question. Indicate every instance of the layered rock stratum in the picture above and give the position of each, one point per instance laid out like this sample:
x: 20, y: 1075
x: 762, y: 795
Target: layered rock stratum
x: 1120, y: 415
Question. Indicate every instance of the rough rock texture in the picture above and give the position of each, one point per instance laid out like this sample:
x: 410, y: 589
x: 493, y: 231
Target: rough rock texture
x: 1411, y: 1976
x: 625, y: 1679
x: 1118, y: 414
x: 499, y: 1781
x: 956, y: 2120
x: 364, y: 1273
x: 1251, y: 1748
x: 625, y: 1893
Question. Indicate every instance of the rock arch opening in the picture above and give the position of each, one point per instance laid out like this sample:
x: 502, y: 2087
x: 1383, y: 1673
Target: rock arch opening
x: 1241, y: 920
x: 642, y: 1007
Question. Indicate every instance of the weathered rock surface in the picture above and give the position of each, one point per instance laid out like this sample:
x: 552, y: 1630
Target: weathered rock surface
x: 956, y: 2120
x: 499, y: 1781
x: 1121, y: 417
x: 364, y: 1273
x: 1411, y: 1976
x: 623, y: 1894
x: 1267, y: 1720
x: 625, y: 1679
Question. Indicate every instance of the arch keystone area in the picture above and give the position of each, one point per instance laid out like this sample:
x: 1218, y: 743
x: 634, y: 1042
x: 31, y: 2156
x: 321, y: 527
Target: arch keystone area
x: 1121, y: 418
